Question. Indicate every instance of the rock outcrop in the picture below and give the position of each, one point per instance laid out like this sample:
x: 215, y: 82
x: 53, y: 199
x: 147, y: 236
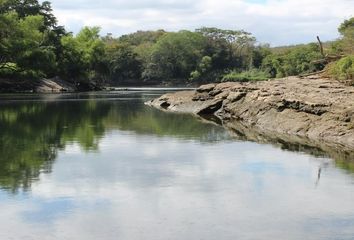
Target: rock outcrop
x: 54, y: 85
x: 313, y: 108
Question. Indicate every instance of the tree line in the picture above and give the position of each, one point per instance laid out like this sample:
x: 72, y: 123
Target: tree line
x: 34, y: 46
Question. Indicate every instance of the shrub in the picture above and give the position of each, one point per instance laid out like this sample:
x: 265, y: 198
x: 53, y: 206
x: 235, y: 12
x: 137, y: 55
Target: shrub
x: 343, y: 69
x: 251, y: 75
x: 293, y: 61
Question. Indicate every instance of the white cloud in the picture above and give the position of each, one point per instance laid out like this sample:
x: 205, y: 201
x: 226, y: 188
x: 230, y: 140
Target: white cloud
x: 274, y: 21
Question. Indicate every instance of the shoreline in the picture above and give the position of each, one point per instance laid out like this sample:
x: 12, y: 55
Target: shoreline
x: 318, y: 110
x: 57, y: 86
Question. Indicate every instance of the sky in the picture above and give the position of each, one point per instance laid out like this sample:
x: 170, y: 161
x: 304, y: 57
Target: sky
x: 277, y: 22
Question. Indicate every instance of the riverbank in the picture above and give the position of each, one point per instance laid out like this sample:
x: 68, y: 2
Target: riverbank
x: 314, y: 109
x: 57, y: 85
x: 52, y: 85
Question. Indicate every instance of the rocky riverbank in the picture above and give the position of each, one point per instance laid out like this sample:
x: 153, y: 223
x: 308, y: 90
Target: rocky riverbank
x: 52, y: 85
x: 313, y: 110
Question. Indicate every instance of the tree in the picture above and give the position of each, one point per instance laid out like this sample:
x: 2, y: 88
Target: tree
x: 229, y: 48
x: 343, y: 69
x: 142, y: 37
x: 203, y: 69
x: 25, y: 8
x: 72, y: 64
x: 175, y: 55
x: 21, y: 46
x: 82, y: 56
x: 258, y: 54
x: 142, y: 43
x: 294, y: 61
x: 346, y: 29
x: 30, y: 39
x: 346, y: 25
x: 123, y: 63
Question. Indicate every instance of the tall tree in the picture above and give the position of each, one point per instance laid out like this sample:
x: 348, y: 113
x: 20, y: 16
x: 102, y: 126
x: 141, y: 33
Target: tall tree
x: 175, y: 55
x: 82, y: 56
x: 230, y: 48
x: 346, y: 29
x: 21, y: 45
x: 30, y: 38
x: 123, y: 63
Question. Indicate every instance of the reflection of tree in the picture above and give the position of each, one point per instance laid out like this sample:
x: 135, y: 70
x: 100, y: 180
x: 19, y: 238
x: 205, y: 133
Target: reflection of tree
x: 33, y: 132
x: 347, y: 164
x: 144, y: 120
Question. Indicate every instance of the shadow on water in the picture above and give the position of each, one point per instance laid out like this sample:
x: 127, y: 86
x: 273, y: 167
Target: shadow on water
x: 34, y: 129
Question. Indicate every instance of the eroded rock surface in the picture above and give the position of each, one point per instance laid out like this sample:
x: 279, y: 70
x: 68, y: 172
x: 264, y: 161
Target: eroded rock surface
x: 55, y: 85
x: 316, y: 108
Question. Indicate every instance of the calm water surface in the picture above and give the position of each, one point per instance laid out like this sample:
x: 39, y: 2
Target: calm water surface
x: 104, y: 166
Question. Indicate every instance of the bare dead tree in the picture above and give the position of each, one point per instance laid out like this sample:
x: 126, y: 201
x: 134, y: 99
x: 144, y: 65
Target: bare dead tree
x: 321, y: 46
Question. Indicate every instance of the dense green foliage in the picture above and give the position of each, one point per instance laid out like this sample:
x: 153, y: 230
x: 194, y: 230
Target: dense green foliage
x: 33, y: 46
x: 251, y: 75
x: 29, y: 39
x: 82, y: 55
x: 175, y: 55
x: 343, y: 69
x: 346, y: 29
x: 293, y: 61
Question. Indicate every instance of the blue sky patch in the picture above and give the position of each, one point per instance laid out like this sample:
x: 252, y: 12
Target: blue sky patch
x: 47, y: 211
x: 257, y: 1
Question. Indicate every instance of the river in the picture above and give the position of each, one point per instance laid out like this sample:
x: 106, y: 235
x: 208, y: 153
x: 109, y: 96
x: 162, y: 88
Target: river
x: 105, y: 166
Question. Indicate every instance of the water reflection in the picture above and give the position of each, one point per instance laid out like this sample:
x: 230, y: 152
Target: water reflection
x: 104, y: 166
x: 33, y: 131
x: 34, y: 127
x: 343, y: 158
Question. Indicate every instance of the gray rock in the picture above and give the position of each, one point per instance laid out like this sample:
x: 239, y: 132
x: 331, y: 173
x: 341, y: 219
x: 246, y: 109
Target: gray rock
x: 309, y: 107
x: 206, y: 88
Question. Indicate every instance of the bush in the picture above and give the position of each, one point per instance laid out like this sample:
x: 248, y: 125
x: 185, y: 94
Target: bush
x: 343, y: 69
x: 251, y: 75
x: 293, y: 61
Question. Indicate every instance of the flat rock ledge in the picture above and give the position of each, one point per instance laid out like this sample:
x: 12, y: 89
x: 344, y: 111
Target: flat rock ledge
x: 314, y: 108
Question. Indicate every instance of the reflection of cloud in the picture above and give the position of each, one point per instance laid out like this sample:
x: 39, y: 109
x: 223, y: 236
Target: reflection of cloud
x: 146, y: 187
x: 274, y: 21
x: 47, y: 211
x: 72, y: 149
x: 260, y: 168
